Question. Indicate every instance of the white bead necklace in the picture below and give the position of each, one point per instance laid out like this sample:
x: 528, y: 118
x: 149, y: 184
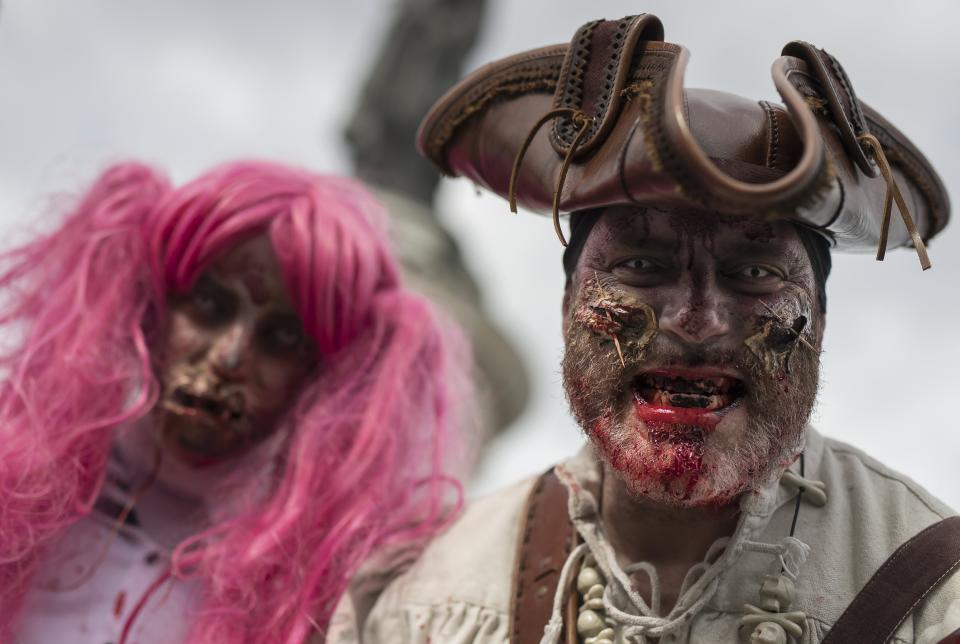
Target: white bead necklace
x: 591, y: 626
x: 772, y: 621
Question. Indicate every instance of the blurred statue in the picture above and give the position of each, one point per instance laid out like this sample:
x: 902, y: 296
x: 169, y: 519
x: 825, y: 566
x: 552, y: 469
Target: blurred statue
x: 422, y: 55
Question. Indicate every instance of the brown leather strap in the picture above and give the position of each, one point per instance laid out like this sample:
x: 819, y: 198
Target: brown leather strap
x: 899, y: 585
x: 952, y: 638
x: 545, y: 540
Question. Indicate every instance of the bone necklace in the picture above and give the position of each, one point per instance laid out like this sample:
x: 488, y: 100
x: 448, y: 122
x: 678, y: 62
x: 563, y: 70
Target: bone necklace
x: 772, y: 620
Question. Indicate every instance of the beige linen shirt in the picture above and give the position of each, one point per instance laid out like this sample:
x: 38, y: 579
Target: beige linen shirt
x: 459, y: 591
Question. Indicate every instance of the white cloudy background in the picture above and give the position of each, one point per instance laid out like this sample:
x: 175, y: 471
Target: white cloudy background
x: 186, y: 84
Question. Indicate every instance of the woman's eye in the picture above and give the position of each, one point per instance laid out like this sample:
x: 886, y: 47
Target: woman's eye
x: 287, y: 337
x: 205, y: 302
x: 210, y: 303
x: 283, y: 336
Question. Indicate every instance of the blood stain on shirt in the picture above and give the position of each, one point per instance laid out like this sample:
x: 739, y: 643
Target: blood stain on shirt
x: 118, y: 603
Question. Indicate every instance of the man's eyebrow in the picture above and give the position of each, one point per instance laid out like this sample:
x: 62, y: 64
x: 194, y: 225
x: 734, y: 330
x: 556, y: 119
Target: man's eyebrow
x: 635, y: 241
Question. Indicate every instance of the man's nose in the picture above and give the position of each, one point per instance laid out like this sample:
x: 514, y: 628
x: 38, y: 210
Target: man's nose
x: 695, y: 315
x: 230, y: 353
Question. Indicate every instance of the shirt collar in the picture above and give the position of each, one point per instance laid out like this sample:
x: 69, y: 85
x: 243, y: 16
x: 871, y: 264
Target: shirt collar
x: 582, y: 474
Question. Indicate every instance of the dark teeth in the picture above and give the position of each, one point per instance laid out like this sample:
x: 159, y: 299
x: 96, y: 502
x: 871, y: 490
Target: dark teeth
x: 181, y: 397
x: 684, y: 400
x: 699, y: 386
x: 231, y: 409
x: 704, y: 393
x: 235, y: 405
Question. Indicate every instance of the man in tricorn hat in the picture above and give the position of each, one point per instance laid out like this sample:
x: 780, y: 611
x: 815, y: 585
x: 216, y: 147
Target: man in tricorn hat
x: 703, y: 509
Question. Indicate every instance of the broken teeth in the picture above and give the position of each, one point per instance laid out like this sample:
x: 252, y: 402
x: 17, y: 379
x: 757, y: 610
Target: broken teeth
x: 670, y: 399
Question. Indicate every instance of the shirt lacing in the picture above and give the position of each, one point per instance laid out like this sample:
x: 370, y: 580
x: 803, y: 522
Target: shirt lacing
x: 638, y: 619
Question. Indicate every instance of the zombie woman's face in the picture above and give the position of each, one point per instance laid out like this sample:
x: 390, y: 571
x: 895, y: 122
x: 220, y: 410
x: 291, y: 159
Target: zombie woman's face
x: 692, y: 349
x: 234, y: 355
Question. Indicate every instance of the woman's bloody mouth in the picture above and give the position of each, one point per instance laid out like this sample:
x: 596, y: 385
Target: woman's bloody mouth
x: 220, y: 411
x: 687, y: 398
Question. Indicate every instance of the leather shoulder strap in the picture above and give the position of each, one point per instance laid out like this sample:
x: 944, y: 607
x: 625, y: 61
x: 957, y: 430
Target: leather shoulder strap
x: 899, y: 585
x: 952, y: 638
x: 544, y: 542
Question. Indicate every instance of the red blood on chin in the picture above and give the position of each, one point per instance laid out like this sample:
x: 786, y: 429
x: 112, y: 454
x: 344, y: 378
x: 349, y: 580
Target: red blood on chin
x: 681, y: 450
x: 670, y: 452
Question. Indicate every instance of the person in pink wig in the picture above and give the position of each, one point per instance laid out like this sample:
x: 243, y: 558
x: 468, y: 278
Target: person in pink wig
x: 218, y: 401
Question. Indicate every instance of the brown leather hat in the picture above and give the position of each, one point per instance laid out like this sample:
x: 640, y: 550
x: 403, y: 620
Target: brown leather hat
x: 623, y: 130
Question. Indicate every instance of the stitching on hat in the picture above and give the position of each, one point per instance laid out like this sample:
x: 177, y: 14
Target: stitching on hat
x: 841, y: 74
x: 564, y: 129
x: 773, y: 133
x: 572, y: 96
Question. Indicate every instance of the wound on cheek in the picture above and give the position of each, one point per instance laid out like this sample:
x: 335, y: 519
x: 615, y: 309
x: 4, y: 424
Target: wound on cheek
x: 619, y: 318
x: 779, y: 334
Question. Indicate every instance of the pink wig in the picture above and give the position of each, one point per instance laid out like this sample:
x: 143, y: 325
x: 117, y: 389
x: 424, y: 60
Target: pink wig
x: 360, y: 465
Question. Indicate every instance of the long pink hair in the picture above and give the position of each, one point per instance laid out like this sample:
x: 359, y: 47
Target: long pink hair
x: 362, y: 463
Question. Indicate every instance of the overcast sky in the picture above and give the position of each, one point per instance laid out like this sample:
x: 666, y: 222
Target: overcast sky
x: 186, y: 84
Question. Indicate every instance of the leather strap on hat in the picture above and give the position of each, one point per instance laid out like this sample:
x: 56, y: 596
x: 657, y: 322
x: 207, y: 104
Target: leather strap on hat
x: 589, y: 94
x: 827, y: 86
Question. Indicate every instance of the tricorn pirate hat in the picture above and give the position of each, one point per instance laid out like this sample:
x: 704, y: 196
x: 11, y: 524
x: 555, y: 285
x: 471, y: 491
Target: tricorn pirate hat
x: 606, y: 120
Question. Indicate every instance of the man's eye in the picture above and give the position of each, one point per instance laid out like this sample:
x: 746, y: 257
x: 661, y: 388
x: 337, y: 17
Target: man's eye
x: 756, y: 272
x: 638, y: 264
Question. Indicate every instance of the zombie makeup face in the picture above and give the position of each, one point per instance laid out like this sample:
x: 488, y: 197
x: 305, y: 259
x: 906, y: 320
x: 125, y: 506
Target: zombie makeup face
x: 692, y: 351
x: 234, y: 355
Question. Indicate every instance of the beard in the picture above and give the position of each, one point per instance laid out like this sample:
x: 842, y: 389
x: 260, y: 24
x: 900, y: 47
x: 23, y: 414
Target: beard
x: 686, y: 465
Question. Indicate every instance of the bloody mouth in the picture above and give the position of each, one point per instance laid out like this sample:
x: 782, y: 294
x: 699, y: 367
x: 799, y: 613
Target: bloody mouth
x: 214, y: 410
x: 691, y: 398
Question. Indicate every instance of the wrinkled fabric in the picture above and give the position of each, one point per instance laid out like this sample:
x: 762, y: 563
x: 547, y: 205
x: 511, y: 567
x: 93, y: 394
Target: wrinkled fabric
x: 459, y: 591
x: 89, y: 583
x: 97, y: 610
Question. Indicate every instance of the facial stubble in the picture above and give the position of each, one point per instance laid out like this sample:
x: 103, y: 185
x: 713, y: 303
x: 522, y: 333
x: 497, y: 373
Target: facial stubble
x: 678, y: 465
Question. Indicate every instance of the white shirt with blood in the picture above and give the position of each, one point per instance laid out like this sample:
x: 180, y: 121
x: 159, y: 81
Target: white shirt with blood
x: 92, y: 580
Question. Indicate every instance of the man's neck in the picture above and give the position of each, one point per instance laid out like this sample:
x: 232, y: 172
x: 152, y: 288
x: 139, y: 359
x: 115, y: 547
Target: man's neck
x: 671, y: 539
